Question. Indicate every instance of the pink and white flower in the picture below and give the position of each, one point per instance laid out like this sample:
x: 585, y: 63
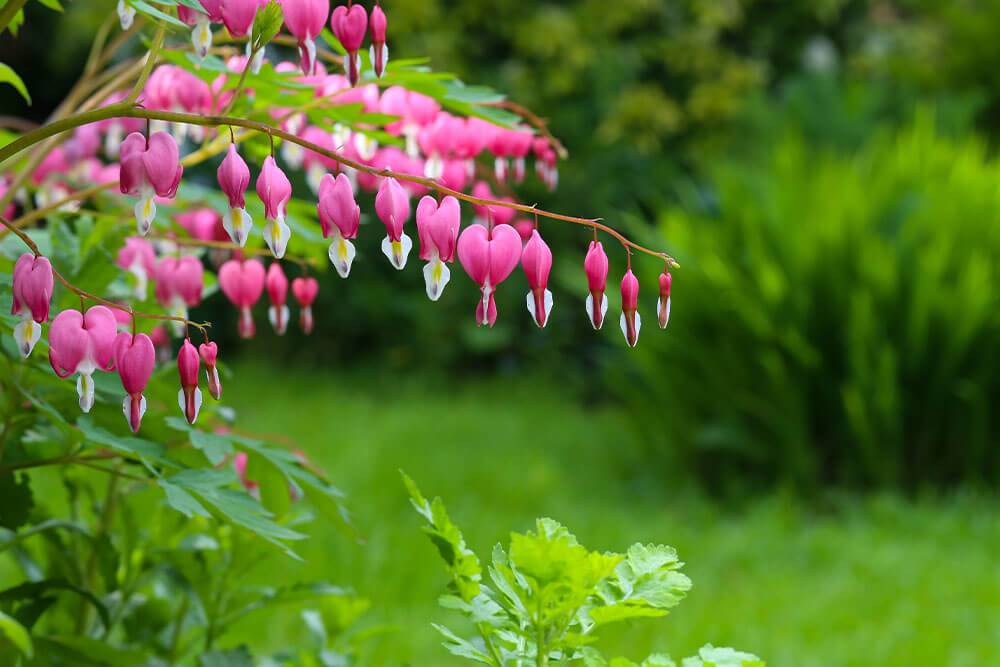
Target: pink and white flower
x: 32, y: 287
x: 663, y: 301
x: 596, y: 267
x: 349, y: 25
x: 305, y: 291
x: 209, y: 354
x: 274, y: 191
x: 392, y: 205
x: 139, y: 259
x: 277, y: 289
x: 378, y: 53
x: 234, y: 179
x: 488, y: 257
x: 339, y: 215
x: 630, y: 322
x: 82, y: 343
x: 537, y: 262
x: 149, y: 168
x: 305, y: 19
x: 437, y: 228
x: 243, y: 282
x: 134, y: 358
x: 189, y: 396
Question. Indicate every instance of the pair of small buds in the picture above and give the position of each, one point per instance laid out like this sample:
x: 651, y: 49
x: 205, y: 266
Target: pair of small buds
x: 349, y: 24
x: 304, y: 290
x: 274, y: 190
x: 188, y: 365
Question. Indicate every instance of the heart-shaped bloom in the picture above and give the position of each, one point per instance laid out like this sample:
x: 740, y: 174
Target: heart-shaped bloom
x: 349, y: 26
x: 32, y: 287
x: 277, y: 289
x: 274, y: 191
x: 209, y: 354
x: 305, y: 19
x: 663, y: 301
x: 179, y: 282
x: 203, y: 224
x: 234, y: 179
x: 82, y: 343
x: 437, y: 227
x: 243, y: 282
x: 139, y: 259
x: 537, y: 262
x: 238, y: 15
x: 134, y: 358
x: 630, y: 320
x: 339, y: 215
x: 189, y: 396
x: 393, y: 207
x: 378, y: 54
x: 305, y: 291
x: 488, y: 258
x: 149, y: 168
x: 596, y: 267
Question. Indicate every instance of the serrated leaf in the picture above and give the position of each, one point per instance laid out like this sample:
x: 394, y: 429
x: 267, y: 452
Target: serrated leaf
x: 36, y: 589
x: 266, y: 25
x: 85, y: 651
x: 182, y: 501
x: 17, y: 634
x: 236, y: 657
x: 217, y: 448
x: 144, y: 449
x: 8, y: 75
x: 722, y: 656
x: 463, y: 648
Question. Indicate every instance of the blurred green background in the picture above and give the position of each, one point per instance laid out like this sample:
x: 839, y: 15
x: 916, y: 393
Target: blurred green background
x: 816, y: 430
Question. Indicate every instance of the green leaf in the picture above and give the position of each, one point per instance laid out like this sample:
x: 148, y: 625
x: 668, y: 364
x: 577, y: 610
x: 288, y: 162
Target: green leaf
x: 16, y: 501
x: 463, y: 648
x: 9, y: 539
x: 182, y: 501
x: 266, y: 25
x: 152, y: 12
x: 35, y: 589
x: 711, y: 656
x: 143, y: 449
x: 52, y: 4
x: 236, y: 657
x: 86, y: 651
x: 217, y: 448
x: 7, y: 75
x: 16, y: 633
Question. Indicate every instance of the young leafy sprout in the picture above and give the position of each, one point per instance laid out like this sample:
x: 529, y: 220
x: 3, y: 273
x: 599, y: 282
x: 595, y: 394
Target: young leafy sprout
x: 398, y: 144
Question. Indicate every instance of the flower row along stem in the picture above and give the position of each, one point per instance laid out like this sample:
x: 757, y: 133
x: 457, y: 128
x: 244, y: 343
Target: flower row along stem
x: 125, y: 110
x: 87, y: 295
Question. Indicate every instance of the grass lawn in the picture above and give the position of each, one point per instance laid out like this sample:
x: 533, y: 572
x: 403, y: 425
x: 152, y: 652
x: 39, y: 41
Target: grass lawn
x: 878, y: 582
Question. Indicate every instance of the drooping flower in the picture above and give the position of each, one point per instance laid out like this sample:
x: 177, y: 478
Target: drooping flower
x: 663, y: 301
x: 201, y: 35
x: 274, y: 191
x: 209, y: 354
x: 126, y: 14
x: 82, y: 343
x: 393, y: 207
x: 238, y: 15
x: 630, y: 319
x: 305, y: 291
x: 437, y: 227
x: 134, y: 357
x: 305, y: 19
x: 537, y: 262
x: 349, y: 26
x: 179, y: 282
x: 378, y: 54
x: 277, y: 289
x: 189, y: 396
x: 139, y: 259
x: 32, y: 287
x: 596, y: 267
x: 149, y: 168
x: 234, y: 179
x: 339, y: 215
x: 204, y: 224
x: 243, y: 282
x: 488, y: 257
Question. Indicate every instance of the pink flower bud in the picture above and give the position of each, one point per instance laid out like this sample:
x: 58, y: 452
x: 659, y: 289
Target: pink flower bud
x: 339, y: 216
x: 488, y: 259
x: 596, y: 267
x: 663, y: 302
x: 134, y: 359
x: 524, y: 228
x: 274, y: 191
x: 149, y: 168
x: 32, y: 284
x: 630, y: 320
x: 243, y: 283
x: 305, y: 19
x: 240, y: 461
x: 277, y: 289
x: 189, y: 396
x: 379, y: 52
x: 393, y: 207
x: 305, y: 290
x: 234, y: 178
x: 437, y: 227
x: 536, y: 259
x: 209, y: 354
x: 349, y: 27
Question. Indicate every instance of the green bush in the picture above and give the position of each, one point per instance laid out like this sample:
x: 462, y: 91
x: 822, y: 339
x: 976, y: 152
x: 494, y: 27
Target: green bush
x: 836, y: 319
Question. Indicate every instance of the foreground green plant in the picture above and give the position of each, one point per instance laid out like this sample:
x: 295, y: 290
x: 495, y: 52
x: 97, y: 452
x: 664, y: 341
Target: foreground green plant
x: 549, y: 595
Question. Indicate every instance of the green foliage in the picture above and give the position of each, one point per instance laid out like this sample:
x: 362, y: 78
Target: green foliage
x: 840, y: 317
x: 7, y: 75
x: 549, y: 593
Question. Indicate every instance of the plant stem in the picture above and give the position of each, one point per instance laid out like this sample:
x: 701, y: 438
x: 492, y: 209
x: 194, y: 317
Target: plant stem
x: 9, y: 11
x: 87, y: 295
x: 147, y: 68
x: 126, y: 110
